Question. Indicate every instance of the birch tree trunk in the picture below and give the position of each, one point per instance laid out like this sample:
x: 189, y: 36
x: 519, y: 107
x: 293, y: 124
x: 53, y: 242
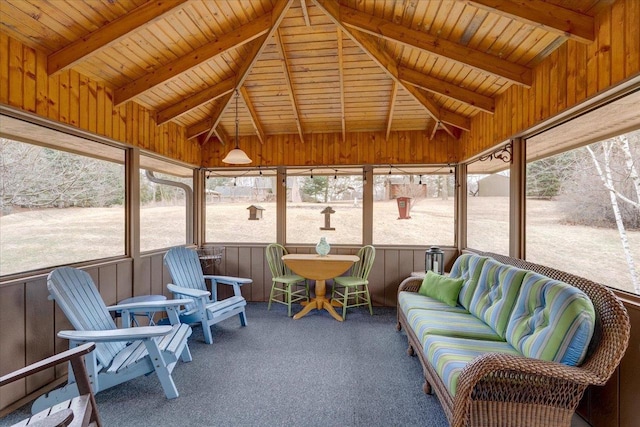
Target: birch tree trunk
x: 607, y: 180
x: 631, y: 168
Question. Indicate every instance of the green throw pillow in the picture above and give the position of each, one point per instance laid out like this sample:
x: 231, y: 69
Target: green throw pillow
x: 442, y: 288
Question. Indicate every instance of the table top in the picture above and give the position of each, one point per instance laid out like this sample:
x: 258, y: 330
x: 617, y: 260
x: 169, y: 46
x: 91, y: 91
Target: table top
x: 316, y: 267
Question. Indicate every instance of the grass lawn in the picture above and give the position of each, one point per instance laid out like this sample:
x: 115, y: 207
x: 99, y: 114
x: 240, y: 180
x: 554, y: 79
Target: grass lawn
x: 41, y: 238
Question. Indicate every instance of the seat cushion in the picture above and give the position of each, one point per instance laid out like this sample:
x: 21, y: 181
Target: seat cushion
x: 412, y: 300
x: 463, y: 325
x: 496, y: 293
x: 552, y: 321
x: 467, y: 267
x: 442, y: 288
x: 449, y: 355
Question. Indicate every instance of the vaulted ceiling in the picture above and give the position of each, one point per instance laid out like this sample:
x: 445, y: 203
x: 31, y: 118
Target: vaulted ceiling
x: 302, y: 66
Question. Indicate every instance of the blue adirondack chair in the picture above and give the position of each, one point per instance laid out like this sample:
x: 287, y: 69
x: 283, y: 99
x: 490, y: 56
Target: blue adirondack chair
x: 120, y: 354
x: 189, y: 282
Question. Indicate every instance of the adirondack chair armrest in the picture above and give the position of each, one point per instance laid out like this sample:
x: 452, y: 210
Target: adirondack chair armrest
x: 114, y: 335
x: 149, y: 306
x: 229, y: 280
x: 194, y: 293
x: 49, y: 362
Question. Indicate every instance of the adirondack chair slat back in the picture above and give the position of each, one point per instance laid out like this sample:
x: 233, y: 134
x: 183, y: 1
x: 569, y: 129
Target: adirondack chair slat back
x: 185, y: 268
x: 79, y: 299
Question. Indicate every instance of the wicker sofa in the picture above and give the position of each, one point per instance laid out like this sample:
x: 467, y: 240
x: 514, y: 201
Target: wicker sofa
x: 502, y: 356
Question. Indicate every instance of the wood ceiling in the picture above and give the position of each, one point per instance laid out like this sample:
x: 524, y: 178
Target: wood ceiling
x: 303, y: 66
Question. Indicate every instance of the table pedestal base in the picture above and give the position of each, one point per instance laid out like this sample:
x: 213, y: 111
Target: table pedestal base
x: 320, y: 302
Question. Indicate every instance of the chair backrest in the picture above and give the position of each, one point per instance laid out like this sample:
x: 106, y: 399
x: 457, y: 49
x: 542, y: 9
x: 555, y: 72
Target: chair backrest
x: 362, y: 268
x: 185, y: 268
x: 274, y: 253
x: 79, y: 299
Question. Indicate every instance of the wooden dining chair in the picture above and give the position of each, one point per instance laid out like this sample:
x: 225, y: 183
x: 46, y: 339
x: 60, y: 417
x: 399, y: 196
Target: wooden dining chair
x: 287, y: 287
x: 352, y: 290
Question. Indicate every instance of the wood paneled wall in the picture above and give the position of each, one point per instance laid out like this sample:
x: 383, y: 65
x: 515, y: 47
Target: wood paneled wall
x: 570, y: 75
x: 76, y: 100
x: 406, y: 147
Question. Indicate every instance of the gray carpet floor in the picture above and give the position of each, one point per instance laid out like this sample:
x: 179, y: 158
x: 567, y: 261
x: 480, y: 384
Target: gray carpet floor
x: 283, y: 372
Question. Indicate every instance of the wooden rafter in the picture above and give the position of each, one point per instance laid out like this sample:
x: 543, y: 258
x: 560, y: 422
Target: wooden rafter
x: 222, y: 136
x: 305, y: 12
x: 341, y: 72
x: 225, y: 42
x: 389, y: 30
x: 432, y: 131
x: 209, y: 124
x: 110, y: 34
x: 277, y: 14
x: 195, y: 101
x: 255, y: 122
x: 551, y: 17
x: 287, y: 76
x: 441, y: 87
x: 392, y: 106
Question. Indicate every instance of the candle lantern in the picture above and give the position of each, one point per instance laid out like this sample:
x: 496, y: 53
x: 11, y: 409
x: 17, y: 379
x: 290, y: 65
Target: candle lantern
x: 434, y: 260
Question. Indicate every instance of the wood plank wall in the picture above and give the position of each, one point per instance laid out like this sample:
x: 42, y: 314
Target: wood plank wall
x: 406, y: 147
x: 567, y: 77
x: 76, y: 100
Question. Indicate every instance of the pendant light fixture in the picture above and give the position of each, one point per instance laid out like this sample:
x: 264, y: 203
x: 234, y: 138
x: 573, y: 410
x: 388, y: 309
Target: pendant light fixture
x: 237, y: 156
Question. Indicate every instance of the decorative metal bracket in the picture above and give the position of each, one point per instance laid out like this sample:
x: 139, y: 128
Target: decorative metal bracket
x: 502, y: 153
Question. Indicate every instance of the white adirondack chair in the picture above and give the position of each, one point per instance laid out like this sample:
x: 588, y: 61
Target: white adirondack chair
x: 120, y: 354
x: 189, y: 282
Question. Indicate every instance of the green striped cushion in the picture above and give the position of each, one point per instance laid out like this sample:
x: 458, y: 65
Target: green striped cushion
x: 412, y: 300
x: 467, y: 267
x: 464, y: 325
x: 496, y: 293
x: 551, y: 321
x: 449, y: 355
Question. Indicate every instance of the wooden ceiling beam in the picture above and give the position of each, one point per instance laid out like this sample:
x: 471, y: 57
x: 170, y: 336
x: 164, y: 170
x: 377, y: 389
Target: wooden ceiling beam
x: 209, y: 123
x: 255, y: 122
x: 277, y: 14
x: 369, y: 45
x: 450, y: 90
x: 195, y: 101
x: 305, y: 12
x: 287, y: 76
x: 223, y: 136
x: 343, y: 120
x: 392, y: 106
x: 225, y: 42
x: 397, y: 33
x: 110, y: 34
x: 551, y: 17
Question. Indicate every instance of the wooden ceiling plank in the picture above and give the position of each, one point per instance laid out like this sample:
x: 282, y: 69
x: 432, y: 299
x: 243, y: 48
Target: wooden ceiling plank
x: 450, y: 90
x: 110, y: 34
x: 341, y: 72
x: 253, y: 115
x: 287, y: 76
x: 195, y: 101
x: 305, y: 12
x: 277, y: 14
x: 225, y: 42
x: 389, y: 30
x: 551, y: 17
x: 392, y: 105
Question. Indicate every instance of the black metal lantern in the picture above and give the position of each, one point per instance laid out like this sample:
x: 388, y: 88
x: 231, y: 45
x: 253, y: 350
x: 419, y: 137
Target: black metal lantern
x: 434, y: 260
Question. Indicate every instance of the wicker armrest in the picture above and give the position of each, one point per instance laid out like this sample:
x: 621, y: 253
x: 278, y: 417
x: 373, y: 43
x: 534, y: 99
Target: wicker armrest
x: 410, y: 284
x: 518, y: 380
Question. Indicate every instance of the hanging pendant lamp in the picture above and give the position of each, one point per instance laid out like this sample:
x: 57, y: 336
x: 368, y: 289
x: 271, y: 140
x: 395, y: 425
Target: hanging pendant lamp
x: 237, y: 156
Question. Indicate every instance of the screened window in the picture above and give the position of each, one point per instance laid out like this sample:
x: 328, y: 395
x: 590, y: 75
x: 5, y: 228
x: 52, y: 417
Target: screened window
x: 582, y: 209
x: 59, y: 207
x: 241, y: 208
x: 488, y: 206
x: 414, y: 207
x: 324, y: 203
x: 163, y: 204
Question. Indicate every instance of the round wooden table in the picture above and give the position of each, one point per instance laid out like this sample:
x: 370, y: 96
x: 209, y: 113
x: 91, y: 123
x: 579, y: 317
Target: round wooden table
x: 319, y: 268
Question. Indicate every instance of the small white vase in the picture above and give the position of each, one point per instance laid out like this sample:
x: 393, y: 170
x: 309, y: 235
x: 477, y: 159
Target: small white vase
x: 323, y: 248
